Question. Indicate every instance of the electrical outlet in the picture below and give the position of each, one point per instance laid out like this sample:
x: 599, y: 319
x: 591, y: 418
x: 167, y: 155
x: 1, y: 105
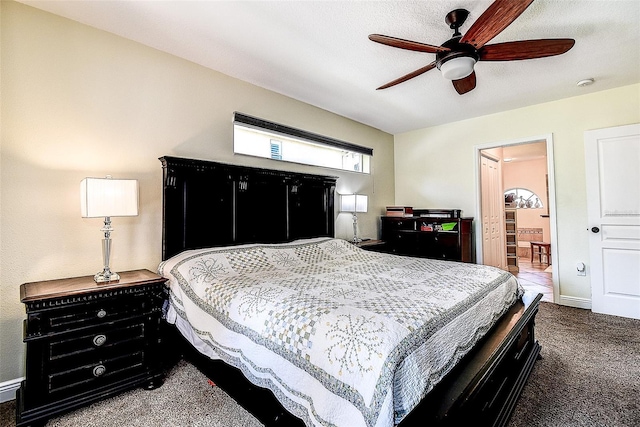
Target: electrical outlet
x: 581, y: 269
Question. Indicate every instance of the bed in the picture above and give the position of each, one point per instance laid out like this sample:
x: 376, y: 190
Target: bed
x: 305, y: 329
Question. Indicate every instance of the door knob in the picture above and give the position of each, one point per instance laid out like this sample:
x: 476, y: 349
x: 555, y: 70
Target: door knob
x: 595, y: 230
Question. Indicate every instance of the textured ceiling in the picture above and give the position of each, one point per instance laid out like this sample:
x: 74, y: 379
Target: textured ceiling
x: 318, y: 51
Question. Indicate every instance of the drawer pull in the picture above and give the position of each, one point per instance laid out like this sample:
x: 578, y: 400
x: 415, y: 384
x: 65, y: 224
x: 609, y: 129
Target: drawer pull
x: 98, y: 340
x: 99, y: 370
x: 102, y: 313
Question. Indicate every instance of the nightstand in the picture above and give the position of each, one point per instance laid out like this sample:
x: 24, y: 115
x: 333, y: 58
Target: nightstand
x: 88, y: 341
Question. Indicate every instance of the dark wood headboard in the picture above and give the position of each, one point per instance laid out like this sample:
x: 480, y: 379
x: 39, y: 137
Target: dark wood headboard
x: 209, y: 204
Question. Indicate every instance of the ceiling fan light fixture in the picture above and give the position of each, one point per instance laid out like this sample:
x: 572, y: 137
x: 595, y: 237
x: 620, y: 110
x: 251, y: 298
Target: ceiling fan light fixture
x: 457, y: 68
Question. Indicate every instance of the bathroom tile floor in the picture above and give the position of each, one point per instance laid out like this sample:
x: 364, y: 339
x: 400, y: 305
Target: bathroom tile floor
x: 536, y: 277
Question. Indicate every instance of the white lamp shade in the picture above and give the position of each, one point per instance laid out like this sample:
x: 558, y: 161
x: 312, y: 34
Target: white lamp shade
x: 102, y: 197
x: 353, y: 203
x: 457, y: 68
x: 361, y: 203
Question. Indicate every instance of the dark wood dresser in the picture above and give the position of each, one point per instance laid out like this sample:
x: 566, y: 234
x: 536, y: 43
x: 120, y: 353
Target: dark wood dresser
x: 430, y: 233
x: 88, y: 341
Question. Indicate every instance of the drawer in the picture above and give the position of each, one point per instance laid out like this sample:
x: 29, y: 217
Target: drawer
x: 92, y: 375
x: 404, y: 241
x: 74, y: 349
x: 505, y: 377
x: 399, y: 224
x: 86, y: 314
x: 438, y: 245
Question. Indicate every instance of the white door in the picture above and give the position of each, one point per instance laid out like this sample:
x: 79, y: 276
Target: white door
x: 613, y: 200
x: 492, y: 213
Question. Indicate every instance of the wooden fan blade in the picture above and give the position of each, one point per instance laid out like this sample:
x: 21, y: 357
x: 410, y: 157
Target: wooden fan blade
x: 496, y: 18
x: 525, y: 49
x: 407, y: 44
x: 466, y: 84
x: 416, y: 73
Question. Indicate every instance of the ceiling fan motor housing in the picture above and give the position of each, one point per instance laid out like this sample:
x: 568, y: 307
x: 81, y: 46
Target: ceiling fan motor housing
x: 459, y: 61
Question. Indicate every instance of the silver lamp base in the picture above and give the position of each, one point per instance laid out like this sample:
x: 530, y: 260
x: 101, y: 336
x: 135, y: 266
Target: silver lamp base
x: 106, y: 276
x: 355, y: 239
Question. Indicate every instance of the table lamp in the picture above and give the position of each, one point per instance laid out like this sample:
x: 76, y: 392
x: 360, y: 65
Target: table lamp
x: 107, y: 197
x: 354, y: 203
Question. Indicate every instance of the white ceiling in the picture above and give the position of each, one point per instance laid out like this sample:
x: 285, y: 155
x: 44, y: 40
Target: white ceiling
x: 524, y: 152
x: 318, y: 51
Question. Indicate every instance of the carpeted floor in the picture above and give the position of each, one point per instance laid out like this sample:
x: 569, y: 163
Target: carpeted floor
x: 185, y: 399
x: 589, y: 376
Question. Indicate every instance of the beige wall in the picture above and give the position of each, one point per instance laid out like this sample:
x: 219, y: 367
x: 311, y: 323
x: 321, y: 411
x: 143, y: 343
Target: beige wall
x: 435, y: 166
x: 79, y: 102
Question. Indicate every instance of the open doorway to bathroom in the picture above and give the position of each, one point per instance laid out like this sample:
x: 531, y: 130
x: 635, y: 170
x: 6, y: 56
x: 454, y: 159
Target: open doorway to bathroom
x: 517, y: 210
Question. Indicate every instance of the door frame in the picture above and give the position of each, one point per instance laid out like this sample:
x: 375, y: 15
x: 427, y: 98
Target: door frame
x: 553, y: 229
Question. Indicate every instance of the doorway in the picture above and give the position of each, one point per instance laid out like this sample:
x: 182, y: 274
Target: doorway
x: 526, y: 211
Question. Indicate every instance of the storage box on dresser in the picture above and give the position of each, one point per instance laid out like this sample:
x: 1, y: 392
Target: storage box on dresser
x: 88, y: 341
x: 412, y: 235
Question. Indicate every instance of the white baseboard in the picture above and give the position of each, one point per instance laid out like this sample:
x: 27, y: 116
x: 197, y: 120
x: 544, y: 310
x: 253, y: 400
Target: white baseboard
x: 8, y: 389
x: 575, y: 302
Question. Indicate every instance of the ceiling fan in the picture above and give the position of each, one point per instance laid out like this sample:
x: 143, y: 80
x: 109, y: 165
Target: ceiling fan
x: 456, y: 57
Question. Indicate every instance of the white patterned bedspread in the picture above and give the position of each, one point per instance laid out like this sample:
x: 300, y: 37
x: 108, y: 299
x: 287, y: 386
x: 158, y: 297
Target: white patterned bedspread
x: 342, y: 336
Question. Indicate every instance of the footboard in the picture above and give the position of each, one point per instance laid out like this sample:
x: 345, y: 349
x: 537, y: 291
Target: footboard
x: 484, y: 388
